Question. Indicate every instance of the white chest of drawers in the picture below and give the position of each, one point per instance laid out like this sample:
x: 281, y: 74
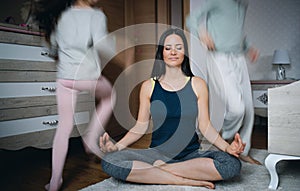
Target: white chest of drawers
x: 28, y: 110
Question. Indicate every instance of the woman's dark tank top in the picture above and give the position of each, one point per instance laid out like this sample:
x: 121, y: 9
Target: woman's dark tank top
x: 174, y: 115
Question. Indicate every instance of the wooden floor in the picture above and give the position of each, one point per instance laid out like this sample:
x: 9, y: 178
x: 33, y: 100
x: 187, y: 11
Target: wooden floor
x: 29, y: 169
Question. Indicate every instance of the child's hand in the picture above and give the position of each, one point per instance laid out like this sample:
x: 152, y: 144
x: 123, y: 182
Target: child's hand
x: 253, y: 54
x: 207, y: 40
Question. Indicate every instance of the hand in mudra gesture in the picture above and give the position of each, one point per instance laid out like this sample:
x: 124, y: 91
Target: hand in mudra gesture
x: 236, y: 147
x: 106, y: 145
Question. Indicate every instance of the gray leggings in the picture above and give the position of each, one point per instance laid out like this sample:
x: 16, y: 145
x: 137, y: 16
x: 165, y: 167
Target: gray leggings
x: 119, y: 164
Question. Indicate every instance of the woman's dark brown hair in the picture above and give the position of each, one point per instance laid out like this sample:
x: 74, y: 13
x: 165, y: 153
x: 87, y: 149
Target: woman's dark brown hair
x: 159, y: 67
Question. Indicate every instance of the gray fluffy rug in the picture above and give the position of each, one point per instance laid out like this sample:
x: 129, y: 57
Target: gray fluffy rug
x: 252, y: 178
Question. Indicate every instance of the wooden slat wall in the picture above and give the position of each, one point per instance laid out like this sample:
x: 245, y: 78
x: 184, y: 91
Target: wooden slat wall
x: 140, y: 12
x: 186, y: 12
x: 114, y: 10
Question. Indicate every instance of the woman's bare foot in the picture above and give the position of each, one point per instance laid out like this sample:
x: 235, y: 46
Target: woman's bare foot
x: 162, y: 165
x: 249, y: 159
x: 158, y: 163
x: 191, y: 182
x: 207, y: 184
x: 202, y: 183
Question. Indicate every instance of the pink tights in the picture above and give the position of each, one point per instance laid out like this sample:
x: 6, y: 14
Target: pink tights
x: 67, y: 91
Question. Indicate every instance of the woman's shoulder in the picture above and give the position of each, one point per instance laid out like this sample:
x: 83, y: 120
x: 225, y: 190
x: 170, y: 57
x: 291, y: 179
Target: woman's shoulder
x: 198, y: 85
x: 198, y: 81
x: 147, y: 87
x: 148, y: 84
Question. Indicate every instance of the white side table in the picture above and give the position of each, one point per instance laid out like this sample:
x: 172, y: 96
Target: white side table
x: 260, y: 94
x: 270, y: 162
x: 283, y: 127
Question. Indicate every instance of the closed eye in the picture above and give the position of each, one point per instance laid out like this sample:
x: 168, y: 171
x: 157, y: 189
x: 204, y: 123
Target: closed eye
x: 177, y: 47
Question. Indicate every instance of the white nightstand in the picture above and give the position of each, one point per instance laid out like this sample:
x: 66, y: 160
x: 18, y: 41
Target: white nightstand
x: 260, y: 94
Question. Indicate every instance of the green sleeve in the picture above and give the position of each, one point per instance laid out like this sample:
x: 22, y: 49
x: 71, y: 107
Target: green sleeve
x: 193, y: 19
x: 246, y: 45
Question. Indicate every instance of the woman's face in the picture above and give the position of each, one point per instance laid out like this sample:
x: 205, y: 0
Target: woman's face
x: 173, y: 52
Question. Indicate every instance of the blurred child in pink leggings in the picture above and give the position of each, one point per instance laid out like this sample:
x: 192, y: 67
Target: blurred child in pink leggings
x: 74, y: 27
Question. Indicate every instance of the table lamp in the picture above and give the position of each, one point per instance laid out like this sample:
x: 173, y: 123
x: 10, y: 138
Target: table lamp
x: 280, y: 58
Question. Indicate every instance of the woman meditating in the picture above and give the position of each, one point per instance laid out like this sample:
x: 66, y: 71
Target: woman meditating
x: 174, y: 99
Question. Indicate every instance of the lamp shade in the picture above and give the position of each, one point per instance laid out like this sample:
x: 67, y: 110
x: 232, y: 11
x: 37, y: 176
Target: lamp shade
x: 281, y: 57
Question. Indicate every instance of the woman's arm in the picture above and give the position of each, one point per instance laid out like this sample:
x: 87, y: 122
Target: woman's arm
x: 205, y: 126
x: 139, y: 129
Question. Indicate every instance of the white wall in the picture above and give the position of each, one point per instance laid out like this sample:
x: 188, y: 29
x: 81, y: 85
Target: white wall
x: 176, y: 13
x: 270, y: 25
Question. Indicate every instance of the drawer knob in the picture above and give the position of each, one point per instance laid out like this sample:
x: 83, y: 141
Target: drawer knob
x: 54, y: 122
x: 50, y: 89
x: 44, y: 53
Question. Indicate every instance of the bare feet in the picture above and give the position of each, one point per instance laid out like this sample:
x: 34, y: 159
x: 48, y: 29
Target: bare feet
x: 200, y: 183
x: 249, y: 159
x: 161, y: 164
